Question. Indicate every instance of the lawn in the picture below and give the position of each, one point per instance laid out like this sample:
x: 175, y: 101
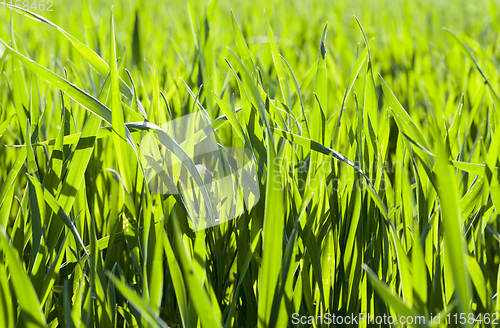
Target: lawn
x: 254, y: 164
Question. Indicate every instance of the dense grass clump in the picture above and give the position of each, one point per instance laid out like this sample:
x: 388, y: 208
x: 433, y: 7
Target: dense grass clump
x: 369, y: 181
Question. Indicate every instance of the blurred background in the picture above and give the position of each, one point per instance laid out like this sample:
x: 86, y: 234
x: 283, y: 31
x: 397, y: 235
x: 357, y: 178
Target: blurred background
x: 168, y: 30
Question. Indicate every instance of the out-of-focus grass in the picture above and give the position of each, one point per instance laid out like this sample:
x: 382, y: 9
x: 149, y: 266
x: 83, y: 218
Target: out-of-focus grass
x: 376, y: 141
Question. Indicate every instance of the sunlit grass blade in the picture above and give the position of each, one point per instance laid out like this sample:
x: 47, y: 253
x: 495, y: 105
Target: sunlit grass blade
x: 72, y: 90
x: 274, y: 221
x: 138, y: 302
x: 200, y: 299
x: 118, y: 123
x: 278, y: 64
x: 243, y: 50
x: 454, y: 244
x: 31, y: 312
x: 94, y: 59
x: 393, y: 300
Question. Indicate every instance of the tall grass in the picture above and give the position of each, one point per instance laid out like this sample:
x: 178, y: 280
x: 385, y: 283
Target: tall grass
x: 375, y: 140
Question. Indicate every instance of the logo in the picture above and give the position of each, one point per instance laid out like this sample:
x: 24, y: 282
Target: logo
x: 187, y: 160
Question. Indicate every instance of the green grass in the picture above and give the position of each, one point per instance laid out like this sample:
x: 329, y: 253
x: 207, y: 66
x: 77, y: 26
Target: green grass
x: 374, y: 133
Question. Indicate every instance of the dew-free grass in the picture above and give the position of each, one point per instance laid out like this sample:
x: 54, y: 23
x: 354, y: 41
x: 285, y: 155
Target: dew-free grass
x: 374, y: 133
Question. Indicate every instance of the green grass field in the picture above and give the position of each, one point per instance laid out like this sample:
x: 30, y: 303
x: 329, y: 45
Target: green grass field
x: 372, y: 130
